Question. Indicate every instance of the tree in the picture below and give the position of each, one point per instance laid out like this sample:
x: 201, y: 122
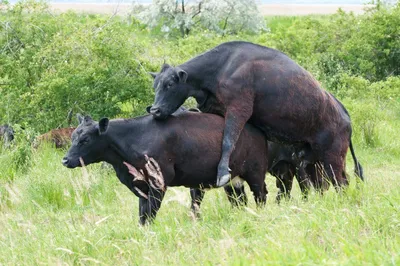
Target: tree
x: 222, y: 16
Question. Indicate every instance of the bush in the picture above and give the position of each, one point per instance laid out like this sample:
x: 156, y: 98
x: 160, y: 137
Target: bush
x: 56, y: 64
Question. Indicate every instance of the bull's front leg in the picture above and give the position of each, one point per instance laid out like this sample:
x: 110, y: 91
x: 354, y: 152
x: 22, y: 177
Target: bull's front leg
x: 237, y: 114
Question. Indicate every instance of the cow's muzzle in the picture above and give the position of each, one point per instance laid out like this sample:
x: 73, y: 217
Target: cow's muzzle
x: 69, y: 163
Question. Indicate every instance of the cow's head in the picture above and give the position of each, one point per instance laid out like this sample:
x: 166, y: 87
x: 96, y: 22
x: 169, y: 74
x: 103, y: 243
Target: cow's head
x: 171, y: 91
x: 88, y: 142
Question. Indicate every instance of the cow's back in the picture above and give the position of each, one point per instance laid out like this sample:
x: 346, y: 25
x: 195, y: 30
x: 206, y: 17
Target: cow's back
x: 195, y: 144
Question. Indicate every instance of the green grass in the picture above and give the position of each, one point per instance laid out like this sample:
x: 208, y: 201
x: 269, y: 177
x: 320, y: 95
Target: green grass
x: 54, y: 215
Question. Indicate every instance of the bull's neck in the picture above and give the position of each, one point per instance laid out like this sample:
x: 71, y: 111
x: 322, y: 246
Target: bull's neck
x: 204, y: 69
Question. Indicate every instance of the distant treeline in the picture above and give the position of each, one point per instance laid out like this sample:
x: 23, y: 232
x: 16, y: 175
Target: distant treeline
x: 52, y: 65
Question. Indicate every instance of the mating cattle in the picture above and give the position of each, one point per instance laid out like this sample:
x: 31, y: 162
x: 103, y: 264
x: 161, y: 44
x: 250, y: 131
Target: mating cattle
x: 245, y: 82
x: 149, y: 155
x: 6, y: 133
x: 60, y: 137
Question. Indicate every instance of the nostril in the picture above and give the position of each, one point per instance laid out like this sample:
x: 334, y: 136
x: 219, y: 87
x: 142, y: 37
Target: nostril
x: 64, y: 160
x: 155, y: 111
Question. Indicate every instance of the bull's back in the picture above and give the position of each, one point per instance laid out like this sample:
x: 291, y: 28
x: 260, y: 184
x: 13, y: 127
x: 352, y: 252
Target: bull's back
x: 289, y: 105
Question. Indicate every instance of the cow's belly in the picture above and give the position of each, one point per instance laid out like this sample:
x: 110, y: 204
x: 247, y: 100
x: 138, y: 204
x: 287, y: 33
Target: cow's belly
x: 196, y: 175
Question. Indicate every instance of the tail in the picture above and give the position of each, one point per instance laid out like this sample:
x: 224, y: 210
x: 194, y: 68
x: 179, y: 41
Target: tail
x: 358, y: 168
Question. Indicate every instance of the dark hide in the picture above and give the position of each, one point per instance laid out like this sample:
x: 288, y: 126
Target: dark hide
x: 245, y: 82
x: 186, y: 148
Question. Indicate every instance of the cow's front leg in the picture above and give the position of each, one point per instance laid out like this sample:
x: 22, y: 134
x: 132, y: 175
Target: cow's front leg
x: 235, y: 119
x: 149, y: 207
x: 197, y: 196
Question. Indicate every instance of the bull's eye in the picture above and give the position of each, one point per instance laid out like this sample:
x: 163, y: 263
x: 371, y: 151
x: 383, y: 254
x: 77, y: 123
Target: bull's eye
x: 170, y: 84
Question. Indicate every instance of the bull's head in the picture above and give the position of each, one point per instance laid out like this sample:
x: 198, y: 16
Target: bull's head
x: 171, y: 91
x: 88, y: 142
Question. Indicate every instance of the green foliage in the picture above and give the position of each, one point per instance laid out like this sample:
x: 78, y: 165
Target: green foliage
x: 53, y: 64
x: 366, y: 45
x: 15, y: 159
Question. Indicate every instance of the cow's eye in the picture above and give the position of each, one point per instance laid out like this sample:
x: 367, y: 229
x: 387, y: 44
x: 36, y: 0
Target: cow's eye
x: 170, y: 84
x: 83, y: 141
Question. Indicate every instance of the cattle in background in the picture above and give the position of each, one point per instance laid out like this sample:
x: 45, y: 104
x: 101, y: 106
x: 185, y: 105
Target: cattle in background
x: 6, y: 133
x: 149, y: 155
x: 60, y: 137
x: 245, y: 82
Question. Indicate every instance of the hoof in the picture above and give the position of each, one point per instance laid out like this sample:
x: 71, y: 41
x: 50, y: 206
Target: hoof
x: 223, y: 180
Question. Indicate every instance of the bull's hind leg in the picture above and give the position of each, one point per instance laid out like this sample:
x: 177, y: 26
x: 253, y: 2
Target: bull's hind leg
x: 236, y: 194
x: 334, y: 163
x: 197, y: 196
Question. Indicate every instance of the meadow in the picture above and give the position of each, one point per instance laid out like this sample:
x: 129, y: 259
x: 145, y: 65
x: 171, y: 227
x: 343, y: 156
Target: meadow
x: 51, y: 65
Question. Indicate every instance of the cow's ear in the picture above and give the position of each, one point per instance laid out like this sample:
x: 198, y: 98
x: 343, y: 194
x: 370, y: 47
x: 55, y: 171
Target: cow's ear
x: 153, y: 74
x: 87, y: 120
x: 182, y: 74
x: 165, y: 67
x: 103, y: 125
x: 80, y: 118
x: 148, y: 109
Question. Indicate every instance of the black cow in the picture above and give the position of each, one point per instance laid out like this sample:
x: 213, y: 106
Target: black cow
x: 246, y: 82
x: 6, y: 133
x: 183, y: 150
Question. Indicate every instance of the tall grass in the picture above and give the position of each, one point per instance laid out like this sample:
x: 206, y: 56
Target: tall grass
x: 54, y: 215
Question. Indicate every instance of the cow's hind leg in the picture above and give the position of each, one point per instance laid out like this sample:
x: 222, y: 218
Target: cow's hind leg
x: 259, y: 189
x: 197, y: 196
x: 236, y: 194
x: 284, y: 173
x: 303, y: 180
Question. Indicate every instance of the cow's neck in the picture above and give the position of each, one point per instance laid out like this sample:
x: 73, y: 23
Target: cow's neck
x: 121, y: 136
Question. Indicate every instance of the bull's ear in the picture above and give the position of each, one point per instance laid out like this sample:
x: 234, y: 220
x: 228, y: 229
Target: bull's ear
x: 182, y: 74
x: 153, y: 74
x: 103, y: 125
x: 148, y: 109
x: 80, y: 118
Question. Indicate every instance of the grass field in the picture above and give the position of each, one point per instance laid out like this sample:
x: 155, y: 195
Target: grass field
x: 54, y: 215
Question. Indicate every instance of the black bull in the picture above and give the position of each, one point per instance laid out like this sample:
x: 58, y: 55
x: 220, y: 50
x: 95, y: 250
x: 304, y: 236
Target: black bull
x: 245, y: 82
x: 149, y: 155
